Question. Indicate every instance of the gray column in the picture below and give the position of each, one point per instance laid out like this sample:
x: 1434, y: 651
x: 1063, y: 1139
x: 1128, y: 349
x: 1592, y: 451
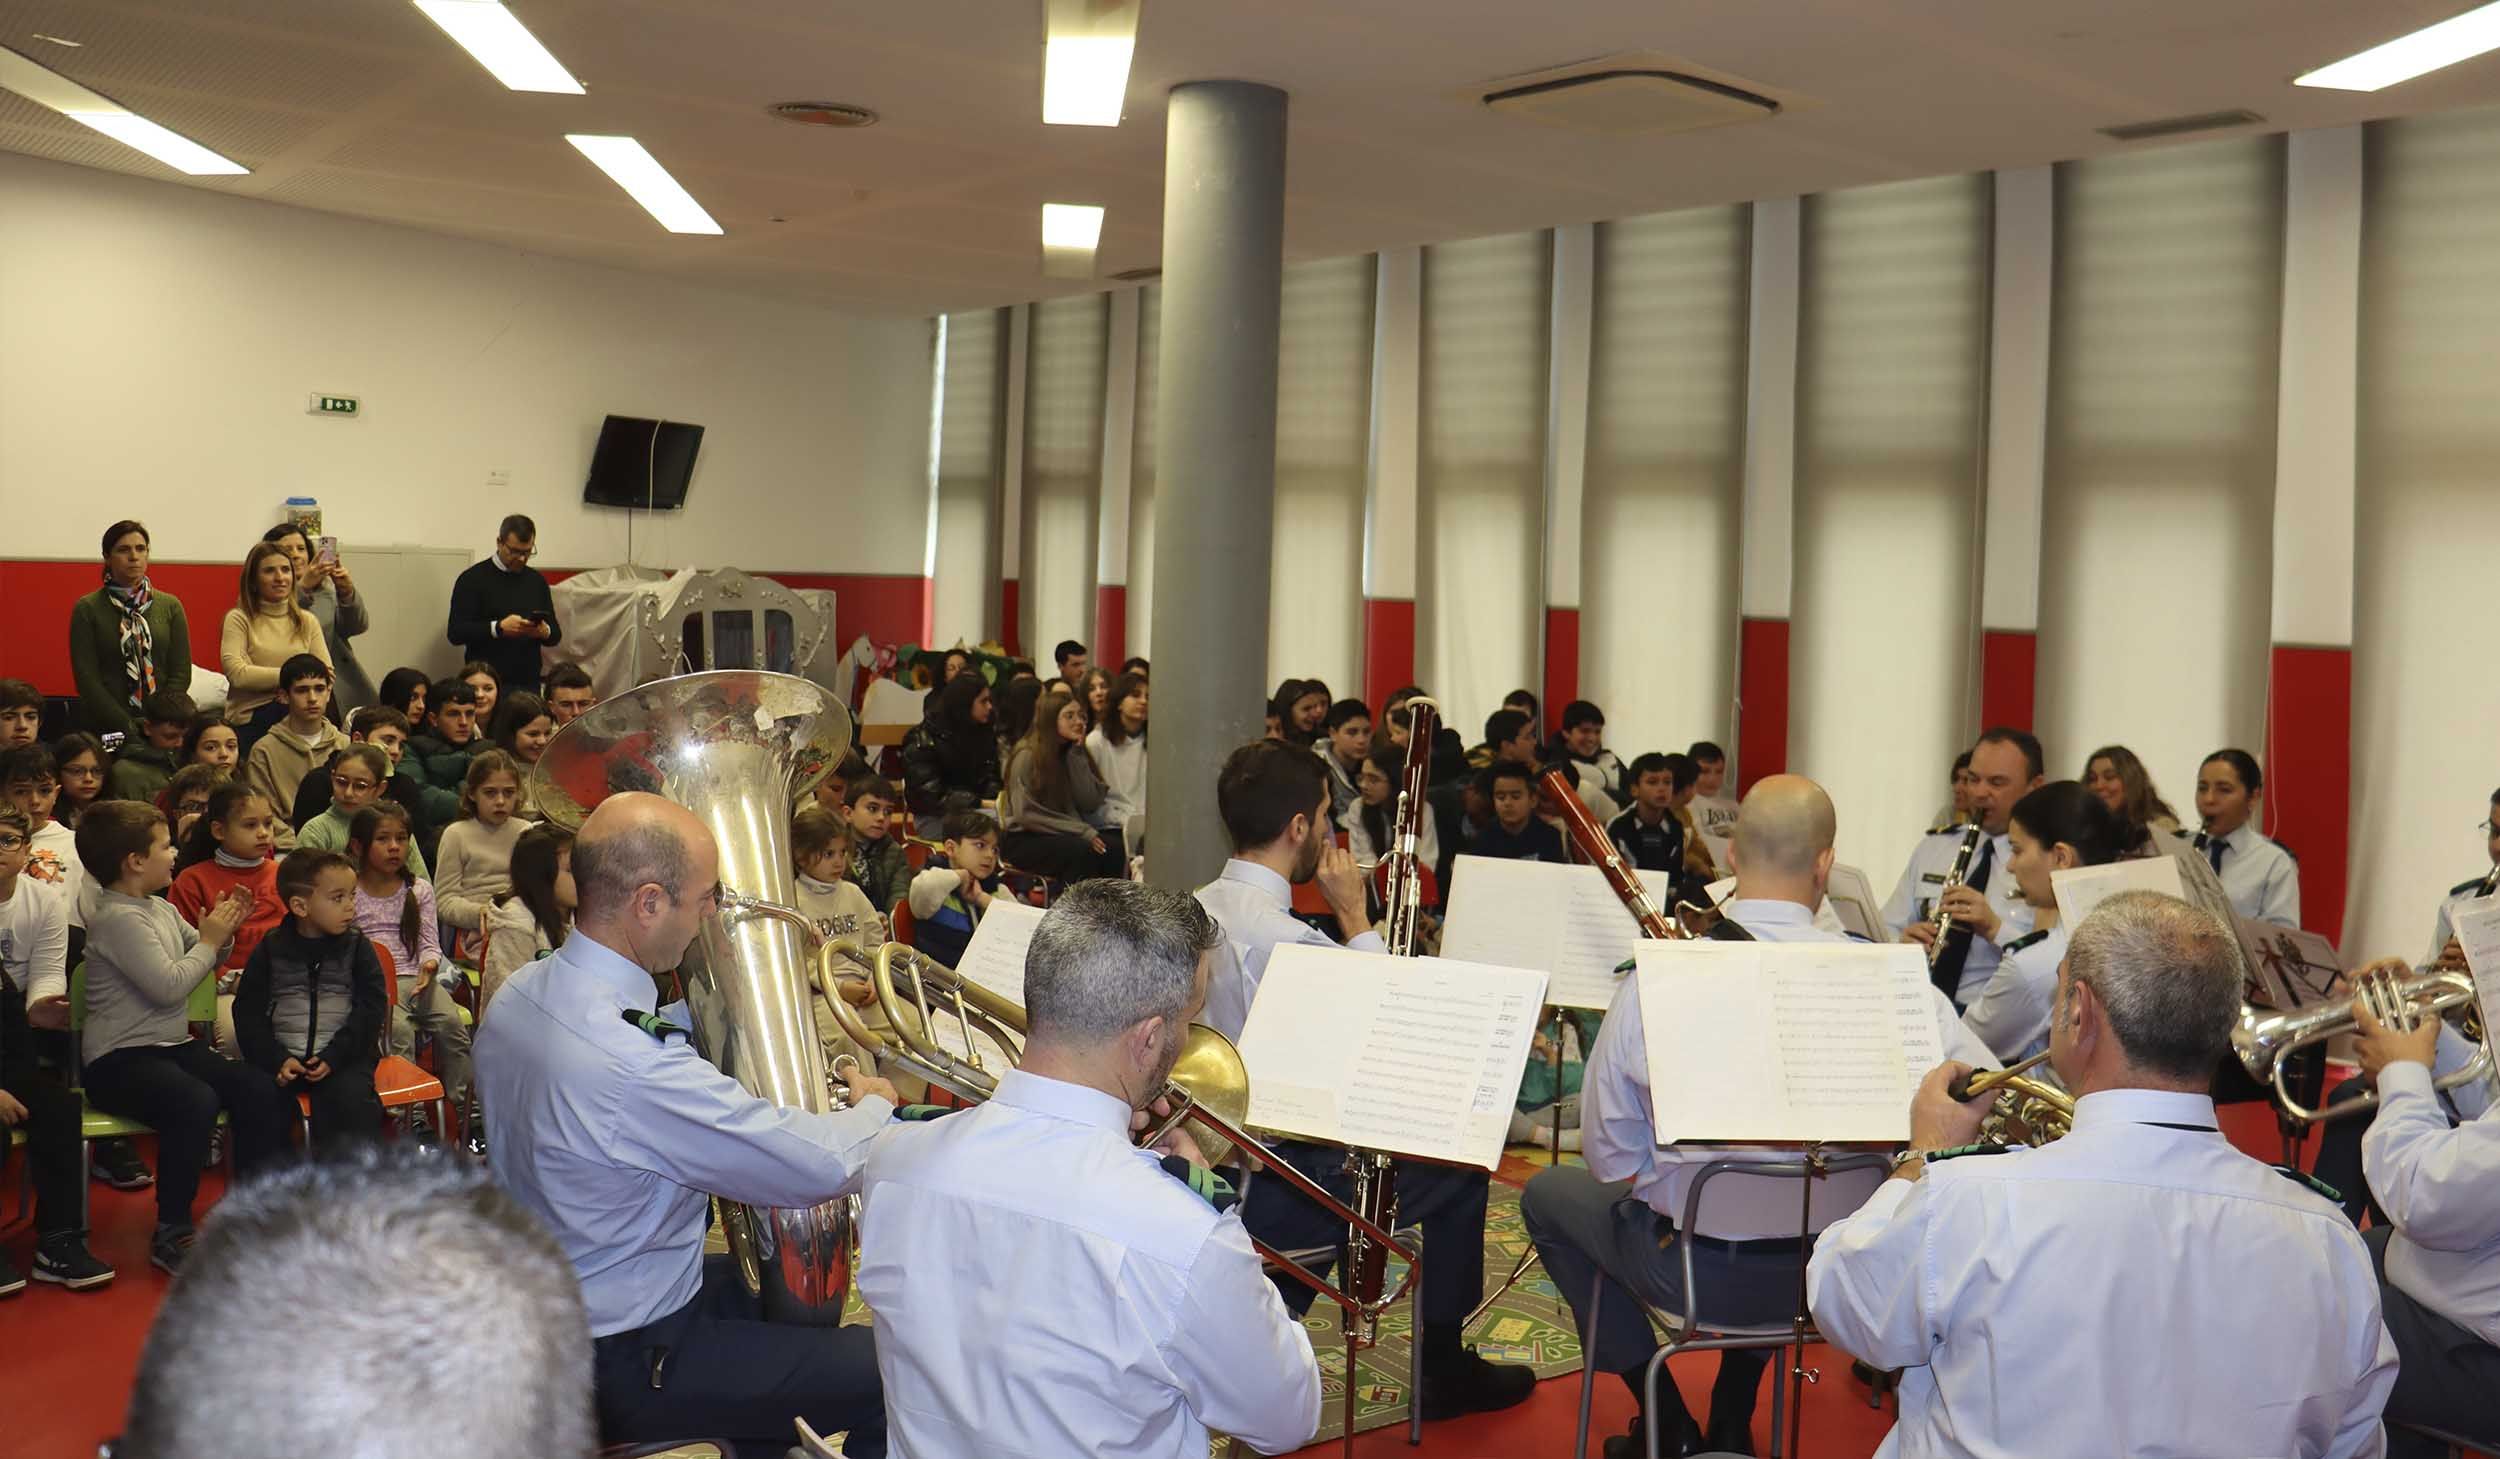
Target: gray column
x: 1215, y: 468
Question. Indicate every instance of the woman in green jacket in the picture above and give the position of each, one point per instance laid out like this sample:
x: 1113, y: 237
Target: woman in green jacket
x: 126, y: 641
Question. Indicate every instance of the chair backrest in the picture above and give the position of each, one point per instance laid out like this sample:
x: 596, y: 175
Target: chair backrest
x: 905, y: 929
x: 390, y: 991
x: 1748, y: 1197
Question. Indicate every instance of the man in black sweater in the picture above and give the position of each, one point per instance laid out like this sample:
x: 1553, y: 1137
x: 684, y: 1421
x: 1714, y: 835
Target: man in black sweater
x: 501, y: 610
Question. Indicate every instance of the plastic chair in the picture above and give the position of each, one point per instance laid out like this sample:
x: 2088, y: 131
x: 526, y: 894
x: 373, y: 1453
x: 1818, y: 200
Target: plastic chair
x: 1744, y: 1189
x: 906, y: 928
x: 398, y: 1082
x: 94, y: 1124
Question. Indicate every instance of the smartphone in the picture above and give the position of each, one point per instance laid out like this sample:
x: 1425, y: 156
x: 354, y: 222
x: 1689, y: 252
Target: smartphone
x: 327, y: 551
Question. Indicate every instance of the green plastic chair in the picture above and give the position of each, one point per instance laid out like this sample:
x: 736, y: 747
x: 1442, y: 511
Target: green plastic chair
x: 94, y: 1124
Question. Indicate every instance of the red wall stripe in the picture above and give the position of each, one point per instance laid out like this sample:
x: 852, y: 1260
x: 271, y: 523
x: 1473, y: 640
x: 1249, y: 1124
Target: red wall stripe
x: 1110, y: 625
x: 2309, y: 775
x: 1010, y: 617
x: 1388, y: 646
x: 1761, y: 700
x: 2008, y: 660
x: 1562, y: 664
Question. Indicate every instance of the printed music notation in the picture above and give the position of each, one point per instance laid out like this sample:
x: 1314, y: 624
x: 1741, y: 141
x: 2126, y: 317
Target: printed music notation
x: 2476, y: 927
x: 995, y: 957
x: 1785, y: 1041
x: 1563, y: 919
x: 1414, y: 1056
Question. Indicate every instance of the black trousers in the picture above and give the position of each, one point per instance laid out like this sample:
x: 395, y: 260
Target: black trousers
x: 715, y: 1369
x: 1446, y: 1201
x: 1064, y: 857
x: 179, y: 1089
x: 2445, y: 1376
x: 53, y: 1153
x: 344, y: 1108
x: 2339, y: 1155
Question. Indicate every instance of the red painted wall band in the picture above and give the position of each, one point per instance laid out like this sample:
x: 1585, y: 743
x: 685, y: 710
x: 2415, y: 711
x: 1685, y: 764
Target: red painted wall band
x: 1562, y: 664
x: 2008, y: 660
x: 1388, y: 646
x: 1011, y: 617
x: 1761, y: 700
x: 1110, y: 625
x: 2309, y: 775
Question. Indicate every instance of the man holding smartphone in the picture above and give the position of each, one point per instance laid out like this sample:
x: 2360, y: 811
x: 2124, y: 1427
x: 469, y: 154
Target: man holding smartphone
x: 502, y: 613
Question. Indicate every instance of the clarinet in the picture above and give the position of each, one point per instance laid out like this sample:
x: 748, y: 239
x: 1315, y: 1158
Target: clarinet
x: 1945, y: 928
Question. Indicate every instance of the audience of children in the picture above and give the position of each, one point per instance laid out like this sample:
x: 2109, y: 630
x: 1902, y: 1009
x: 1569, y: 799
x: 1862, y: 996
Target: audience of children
x: 298, y: 744
x: 308, y: 1009
x: 229, y: 850
x: 522, y: 729
x: 878, y: 867
x: 531, y: 919
x: 34, y: 993
x: 150, y: 757
x: 395, y: 907
x: 30, y: 781
x: 473, y: 865
x: 951, y: 893
x: 78, y: 761
x: 212, y: 741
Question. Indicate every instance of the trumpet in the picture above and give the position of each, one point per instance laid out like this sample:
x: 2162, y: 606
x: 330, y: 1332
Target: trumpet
x: 2028, y: 1111
x: 2265, y: 1041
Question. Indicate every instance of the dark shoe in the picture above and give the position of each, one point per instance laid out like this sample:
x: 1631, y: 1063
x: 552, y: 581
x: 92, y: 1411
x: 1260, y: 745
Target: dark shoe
x: 1631, y: 1443
x: 1729, y: 1438
x: 169, y: 1247
x: 65, y: 1261
x: 119, y: 1166
x: 1470, y: 1384
x: 12, y: 1281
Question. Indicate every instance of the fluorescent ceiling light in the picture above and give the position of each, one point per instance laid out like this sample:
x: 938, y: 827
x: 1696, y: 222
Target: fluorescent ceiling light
x: 1085, y: 57
x: 639, y: 173
x: 1071, y: 225
x: 2459, y: 38
x: 46, y: 87
x: 504, y: 46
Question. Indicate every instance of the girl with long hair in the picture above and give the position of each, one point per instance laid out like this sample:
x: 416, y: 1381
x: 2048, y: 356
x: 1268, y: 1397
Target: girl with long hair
x: 1052, y: 787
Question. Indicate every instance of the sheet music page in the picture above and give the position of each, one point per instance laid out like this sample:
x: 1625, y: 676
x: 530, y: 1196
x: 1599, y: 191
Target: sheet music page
x: 2477, y: 929
x: 2293, y: 967
x: 1852, y: 901
x: 1414, y: 1056
x: 995, y: 956
x: 2079, y: 889
x: 1785, y: 1041
x: 1563, y: 920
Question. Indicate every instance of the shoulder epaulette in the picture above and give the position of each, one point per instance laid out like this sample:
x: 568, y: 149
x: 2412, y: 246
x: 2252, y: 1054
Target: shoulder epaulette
x: 2470, y: 884
x: 2296, y: 1174
x: 1208, y: 1186
x: 2026, y: 940
x: 918, y: 1113
x: 650, y: 1023
x: 1983, y: 1147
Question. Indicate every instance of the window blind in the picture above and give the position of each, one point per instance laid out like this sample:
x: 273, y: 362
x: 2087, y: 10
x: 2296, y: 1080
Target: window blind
x: 969, y: 419
x: 1323, y: 438
x: 1062, y: 467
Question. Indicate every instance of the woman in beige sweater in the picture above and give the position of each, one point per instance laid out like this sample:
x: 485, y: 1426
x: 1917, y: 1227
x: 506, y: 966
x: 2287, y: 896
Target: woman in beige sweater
x: 262, y: 631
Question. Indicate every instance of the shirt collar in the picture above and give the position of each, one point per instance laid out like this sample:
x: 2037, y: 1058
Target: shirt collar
x: 496, y: 557
x: 1041, y: 1095
x: 610, y: 969
x: 1767, y: 911
x: 1259, y: 879
x: 2143, y: 1106
x: 2243, y: 838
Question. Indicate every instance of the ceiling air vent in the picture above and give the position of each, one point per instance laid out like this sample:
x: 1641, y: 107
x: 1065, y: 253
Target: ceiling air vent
x: 1632, y: 95
x: 823, y: 114
x: 2212, y: 121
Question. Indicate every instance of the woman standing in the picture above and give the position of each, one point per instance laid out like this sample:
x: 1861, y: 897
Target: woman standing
x: 323, y: 589
x: 126, y: 640
x: 262, y: 631
x: 1051, y: 789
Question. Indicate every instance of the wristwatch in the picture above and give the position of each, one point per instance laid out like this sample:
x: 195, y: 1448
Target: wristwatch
x: 1906, y: 1156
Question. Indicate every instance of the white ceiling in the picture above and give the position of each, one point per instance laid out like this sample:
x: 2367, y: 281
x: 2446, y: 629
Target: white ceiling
x: 363, y: 107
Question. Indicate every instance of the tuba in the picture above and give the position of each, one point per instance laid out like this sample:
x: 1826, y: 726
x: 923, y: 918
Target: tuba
x: 738, y: 748
x: 2265, y: 1041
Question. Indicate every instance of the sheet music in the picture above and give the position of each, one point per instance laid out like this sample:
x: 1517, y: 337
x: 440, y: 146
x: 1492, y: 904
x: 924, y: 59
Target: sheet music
x: 1853, y: 904
x: 995, y: 956
x: 1564, y: 920
x: 2079, y: 889
x: 2289, y: 966
x: 1414, y: 1056
x: 1786, y: 1041
x: 2476, y: 926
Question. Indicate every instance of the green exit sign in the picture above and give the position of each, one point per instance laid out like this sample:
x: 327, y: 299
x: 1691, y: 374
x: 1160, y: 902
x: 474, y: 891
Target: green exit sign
x: 333, y: 405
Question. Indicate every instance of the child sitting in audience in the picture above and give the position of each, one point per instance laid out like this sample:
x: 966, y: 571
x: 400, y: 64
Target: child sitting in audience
x: 186, y: 796
x: 298, y: 744
x: 1118, y: 747
x: 1649, y: 835
x: 820, y: 852
x: 1580, y: 749
x: 308, y: 1009
x: 475, y: 863
x: 404, y: 689
x: 212, y: 741
x: 395, y: 908
x: 534, y: 917
x: 150, y: 759
x: 1051, y: 789
x: 569, y: 693
x: 950, y: 894
x: 230, y: 849
x: 1509, y: 737
x: 522, y: 729
x: 439, y: 754
x: 143, y: 961
x: 79, y: 758
x: 1516, y: 834
x: 21, y: 713
x: 484, y: 682
x: 359, y: 775
x: 878, y: 866
x: 34, y: 993
x: 29, y: 781
x: 386, y: 730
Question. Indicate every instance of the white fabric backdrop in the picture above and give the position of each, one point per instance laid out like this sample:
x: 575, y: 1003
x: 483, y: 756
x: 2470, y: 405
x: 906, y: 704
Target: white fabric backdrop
x: 967, y: 487
x: 1141, y: 489
x: 1323, y: 436
x: 1062, y: 469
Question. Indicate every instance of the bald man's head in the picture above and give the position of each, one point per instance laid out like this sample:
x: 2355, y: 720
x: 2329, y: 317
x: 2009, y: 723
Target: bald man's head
x: 634, y: 840
x: 1784, y: 828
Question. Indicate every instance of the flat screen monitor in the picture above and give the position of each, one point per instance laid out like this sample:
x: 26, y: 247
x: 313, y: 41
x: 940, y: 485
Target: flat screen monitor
x: 642, y: 463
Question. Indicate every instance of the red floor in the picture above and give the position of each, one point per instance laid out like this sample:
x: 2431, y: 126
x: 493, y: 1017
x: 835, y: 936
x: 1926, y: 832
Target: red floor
x: 66, y: 1358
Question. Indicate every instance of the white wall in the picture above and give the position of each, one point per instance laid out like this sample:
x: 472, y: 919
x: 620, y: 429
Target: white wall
x: 158, y: 345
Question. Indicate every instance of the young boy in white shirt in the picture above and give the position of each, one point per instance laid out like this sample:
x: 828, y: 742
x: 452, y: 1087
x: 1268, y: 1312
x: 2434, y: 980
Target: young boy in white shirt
x: 34, y: 993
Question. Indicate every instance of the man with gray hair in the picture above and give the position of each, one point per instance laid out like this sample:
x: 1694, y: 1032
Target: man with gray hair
x: 2139, y: 1286
x: 1041, y: 1284
x: 390, y: 1304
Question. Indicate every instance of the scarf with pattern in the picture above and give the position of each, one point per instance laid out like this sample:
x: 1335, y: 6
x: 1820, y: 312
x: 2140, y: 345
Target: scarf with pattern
x: 138, y: 644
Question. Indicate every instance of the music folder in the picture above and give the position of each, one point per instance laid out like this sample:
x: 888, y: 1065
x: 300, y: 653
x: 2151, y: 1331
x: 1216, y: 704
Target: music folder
x: 1411, y: 1056
x: 1563, y: 919
x: 2476, y: 926
x: 1786, y: 1041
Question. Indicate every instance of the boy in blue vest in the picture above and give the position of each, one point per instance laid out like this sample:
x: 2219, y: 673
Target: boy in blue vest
x: 950, y: 894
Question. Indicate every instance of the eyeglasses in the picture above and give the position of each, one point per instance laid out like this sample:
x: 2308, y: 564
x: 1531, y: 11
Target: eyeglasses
x: 11, y: 841
x: 352, y: 787
x: 524, y: 553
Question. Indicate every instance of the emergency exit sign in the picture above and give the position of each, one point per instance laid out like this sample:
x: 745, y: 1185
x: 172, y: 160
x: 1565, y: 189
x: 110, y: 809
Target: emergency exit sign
x: 332, y: 405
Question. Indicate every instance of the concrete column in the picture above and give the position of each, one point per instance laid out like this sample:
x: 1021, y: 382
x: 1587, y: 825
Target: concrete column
x: 1215, y: 455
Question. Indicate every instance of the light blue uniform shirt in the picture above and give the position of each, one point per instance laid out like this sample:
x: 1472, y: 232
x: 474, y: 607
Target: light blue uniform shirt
x: 2130, y: 1289
x: 1042, y: 1286
x: 2011, y: 1014
x: 2441, y: 1189
x: 615, y: 1140
x: 2260, y: 877
x: 1254, y: 907
x: 1922, y: 882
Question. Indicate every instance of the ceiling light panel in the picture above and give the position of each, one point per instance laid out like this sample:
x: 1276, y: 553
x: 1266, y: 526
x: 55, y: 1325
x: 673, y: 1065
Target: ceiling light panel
x: 1086, y: 51
x: 489, y: 31
x: 634, y: 169
x: 2458, y: 38
x: 46, y: 87
x: 1070, y: 232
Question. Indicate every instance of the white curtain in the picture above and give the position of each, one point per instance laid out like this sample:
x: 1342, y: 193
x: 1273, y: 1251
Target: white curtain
x: 1660, y: 506
x: 1480, y: 580
x: 1323, y: 437
x: 1892, y: 344
x: 1141, y: 480
x: 1062, y: 468
x: 2156, y: 545
x: 2424, y: 699
x: 968, y: 458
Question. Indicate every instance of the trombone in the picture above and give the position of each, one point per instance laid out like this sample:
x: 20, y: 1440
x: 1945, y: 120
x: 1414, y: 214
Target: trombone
x: 2265, y: 1041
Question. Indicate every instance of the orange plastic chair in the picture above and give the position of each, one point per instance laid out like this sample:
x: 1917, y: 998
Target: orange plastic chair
x: 398, y: 1082
x: 905, y: 928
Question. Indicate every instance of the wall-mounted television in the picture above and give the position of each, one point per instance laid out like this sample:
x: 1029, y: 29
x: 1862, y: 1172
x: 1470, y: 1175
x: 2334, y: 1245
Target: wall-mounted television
x: 642, y: 463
